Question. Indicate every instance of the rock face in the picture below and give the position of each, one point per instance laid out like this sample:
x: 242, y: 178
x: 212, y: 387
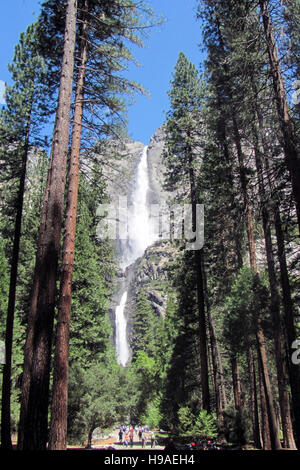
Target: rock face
x: 156, y: 168
x: 120, y: 174
x: 150, y: 273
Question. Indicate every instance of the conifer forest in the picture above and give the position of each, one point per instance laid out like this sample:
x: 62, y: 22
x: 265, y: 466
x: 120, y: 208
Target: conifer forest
x: 186, y: 323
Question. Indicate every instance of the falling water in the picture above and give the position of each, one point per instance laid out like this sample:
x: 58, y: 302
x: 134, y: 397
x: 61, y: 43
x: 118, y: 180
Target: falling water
x: 121, y: 339
x: 139, y: 239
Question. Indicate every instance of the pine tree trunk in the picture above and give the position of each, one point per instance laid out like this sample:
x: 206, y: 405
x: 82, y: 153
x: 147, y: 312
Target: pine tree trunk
x: 291, y: 335
x: 219, y: 385
x: 289, y: 139
x: 58, y: 424
x: 198, y: 259
x: 236, y: 382
x: 280, y: 352
x: 36, y: 418
x: 28, y: 349
x: 273, y: 423
x: 202, y: 332
x: 220, y: 394
x: 6, y: 385
x: 266, y: 437
x: 254, y: 401
x: 90, y: 435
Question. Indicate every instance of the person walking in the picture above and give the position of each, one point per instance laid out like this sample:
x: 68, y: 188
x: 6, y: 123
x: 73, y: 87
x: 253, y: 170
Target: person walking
x: 144, y: 439
x: 131, y: 436
x: 126, y: 438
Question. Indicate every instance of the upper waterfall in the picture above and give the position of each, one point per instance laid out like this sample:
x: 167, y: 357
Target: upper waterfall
x: 139, y: 226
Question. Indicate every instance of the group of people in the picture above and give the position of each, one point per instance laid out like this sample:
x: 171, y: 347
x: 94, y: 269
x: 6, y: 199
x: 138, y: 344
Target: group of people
x: 127, y: 434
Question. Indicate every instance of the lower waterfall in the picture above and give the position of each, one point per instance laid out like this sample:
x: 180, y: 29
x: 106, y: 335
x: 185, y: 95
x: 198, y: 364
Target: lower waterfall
x: 122, y: 348
x: 138, y: 240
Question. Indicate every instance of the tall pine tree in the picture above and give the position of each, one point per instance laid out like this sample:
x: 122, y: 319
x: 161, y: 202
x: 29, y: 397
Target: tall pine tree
x: 182, y: 157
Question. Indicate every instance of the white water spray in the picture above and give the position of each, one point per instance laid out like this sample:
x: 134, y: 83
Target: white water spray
x: 139, y: 231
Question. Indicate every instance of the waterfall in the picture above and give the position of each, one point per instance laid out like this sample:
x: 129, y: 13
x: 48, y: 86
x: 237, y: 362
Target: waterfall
x: 139, y: 238
x: 121, y: 339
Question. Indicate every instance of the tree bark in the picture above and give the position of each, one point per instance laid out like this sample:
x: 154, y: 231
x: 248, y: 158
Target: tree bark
x: 28, y: 349
x: 254, y: 401
x: 58, y: 424
x: 236, y: 381
x: 266, y: 437
x: 35, y: 420
x: 273, y: 423
x: 280, y: 353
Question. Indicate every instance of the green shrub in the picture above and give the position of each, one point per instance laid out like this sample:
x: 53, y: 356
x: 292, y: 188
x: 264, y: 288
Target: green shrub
x: 205, y: 425
x: 185, y: 421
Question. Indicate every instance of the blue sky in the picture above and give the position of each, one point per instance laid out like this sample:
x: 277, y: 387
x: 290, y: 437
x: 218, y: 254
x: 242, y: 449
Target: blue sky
x: 180, y: 32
